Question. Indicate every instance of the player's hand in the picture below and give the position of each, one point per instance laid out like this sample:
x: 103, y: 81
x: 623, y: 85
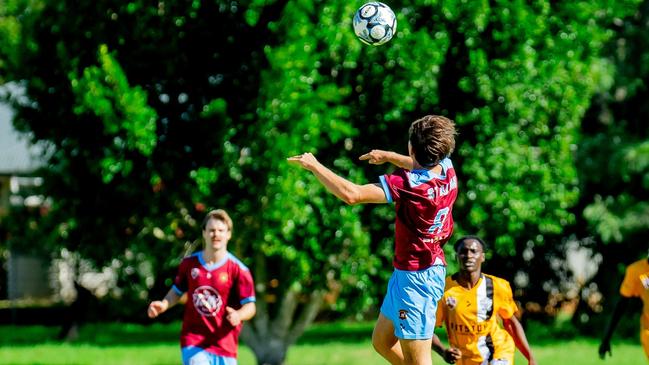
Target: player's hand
x: 604, y: 347
x: 306, y: 160
x: 156, y: 308
x: 452, y: 354
x: 232, y: 316
x: 375, y: 157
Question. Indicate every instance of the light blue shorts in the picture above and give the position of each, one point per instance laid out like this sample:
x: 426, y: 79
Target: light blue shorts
x: 411, y: 301
x: 193, y: 355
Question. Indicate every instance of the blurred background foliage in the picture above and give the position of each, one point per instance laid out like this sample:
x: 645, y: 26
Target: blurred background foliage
x: 154, y: 113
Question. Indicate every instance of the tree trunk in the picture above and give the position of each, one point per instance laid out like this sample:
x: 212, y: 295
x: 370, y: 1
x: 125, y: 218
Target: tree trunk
x: 273, y: 352
x: 269, y: 338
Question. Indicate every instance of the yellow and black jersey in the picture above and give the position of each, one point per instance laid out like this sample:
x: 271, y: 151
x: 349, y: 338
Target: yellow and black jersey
x: 636, y: 284
x: 471, y: 320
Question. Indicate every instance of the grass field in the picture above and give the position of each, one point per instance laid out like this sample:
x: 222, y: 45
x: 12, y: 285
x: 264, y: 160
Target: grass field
x: 326, y: 344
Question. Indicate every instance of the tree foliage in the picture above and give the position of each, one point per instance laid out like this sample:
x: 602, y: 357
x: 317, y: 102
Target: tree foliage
x: 157, y: 112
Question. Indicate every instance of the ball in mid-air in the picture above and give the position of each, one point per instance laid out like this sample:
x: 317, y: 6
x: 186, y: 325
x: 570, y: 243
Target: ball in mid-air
x: 375, y: 23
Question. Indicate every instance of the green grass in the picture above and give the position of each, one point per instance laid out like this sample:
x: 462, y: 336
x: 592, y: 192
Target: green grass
x: 323, y: 344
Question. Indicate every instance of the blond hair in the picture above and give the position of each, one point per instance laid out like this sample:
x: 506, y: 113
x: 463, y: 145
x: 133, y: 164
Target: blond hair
x: 218, y: 214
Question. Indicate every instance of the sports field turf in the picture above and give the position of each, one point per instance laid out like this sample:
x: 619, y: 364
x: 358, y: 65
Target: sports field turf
x: 330, y: 344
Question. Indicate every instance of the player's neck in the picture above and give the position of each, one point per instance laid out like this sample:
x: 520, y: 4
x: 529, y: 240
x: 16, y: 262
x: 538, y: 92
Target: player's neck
x: 211, y: 256
x: 437, y: 169
x: 469, y: 279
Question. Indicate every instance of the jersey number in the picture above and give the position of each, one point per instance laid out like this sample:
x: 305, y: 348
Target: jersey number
x: 438, y: 223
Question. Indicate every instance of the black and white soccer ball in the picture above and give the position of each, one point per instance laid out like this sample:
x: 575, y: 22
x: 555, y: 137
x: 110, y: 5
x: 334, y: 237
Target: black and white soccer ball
x: 375, y: 23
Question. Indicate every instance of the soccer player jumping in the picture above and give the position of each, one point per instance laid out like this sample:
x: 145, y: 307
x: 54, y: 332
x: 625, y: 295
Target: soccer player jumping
x: 423, y: 190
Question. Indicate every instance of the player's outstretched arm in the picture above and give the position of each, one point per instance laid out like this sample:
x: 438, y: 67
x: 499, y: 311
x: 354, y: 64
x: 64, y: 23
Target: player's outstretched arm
x: 379, y: 157
x: 605, y: 345
x: 342, y: 188
x: 515, y: 329
x: 157, y: 307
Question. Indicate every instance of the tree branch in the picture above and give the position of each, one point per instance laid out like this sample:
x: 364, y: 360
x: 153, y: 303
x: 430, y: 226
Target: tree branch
x: 307, y: 316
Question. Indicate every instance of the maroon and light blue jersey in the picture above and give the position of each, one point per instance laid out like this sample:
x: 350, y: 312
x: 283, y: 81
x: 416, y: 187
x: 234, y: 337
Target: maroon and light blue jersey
x: 210, y: 288
x: 424, y: 222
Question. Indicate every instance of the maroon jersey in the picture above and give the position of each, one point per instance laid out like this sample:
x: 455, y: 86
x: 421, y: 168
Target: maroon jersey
x: 424, y: 222
x: 210, y: 288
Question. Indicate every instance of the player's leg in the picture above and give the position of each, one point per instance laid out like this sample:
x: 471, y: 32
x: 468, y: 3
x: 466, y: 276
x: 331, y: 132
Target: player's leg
x: 385, y: 342
x: 415, y: 318
x: 416, y: 352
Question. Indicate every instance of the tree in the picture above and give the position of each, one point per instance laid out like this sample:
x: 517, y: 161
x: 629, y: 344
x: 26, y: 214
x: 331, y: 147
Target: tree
x: 184, y: 106
x: 613, y: 163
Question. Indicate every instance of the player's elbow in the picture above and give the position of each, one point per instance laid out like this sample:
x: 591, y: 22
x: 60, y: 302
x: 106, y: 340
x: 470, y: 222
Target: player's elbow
x: 352, y: 198
x: 253, y: 310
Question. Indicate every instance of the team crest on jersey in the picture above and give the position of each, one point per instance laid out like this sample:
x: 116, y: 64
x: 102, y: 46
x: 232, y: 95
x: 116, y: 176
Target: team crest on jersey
x: 403, y: 314
x: 223, y: 277
x: 451, y: 302
x: 644, y: 279
x: 195, y: 272
x: 207, y: 301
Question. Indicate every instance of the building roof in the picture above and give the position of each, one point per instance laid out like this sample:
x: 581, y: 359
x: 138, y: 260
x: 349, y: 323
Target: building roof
x: 17, y: 155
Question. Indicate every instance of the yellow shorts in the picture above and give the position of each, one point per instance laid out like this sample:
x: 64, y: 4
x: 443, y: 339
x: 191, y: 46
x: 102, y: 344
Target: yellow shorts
x: 496, y: 361
x: 502, y: 356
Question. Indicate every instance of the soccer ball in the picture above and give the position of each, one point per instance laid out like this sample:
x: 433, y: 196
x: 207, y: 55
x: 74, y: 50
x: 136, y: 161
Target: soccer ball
x: 375, y: 23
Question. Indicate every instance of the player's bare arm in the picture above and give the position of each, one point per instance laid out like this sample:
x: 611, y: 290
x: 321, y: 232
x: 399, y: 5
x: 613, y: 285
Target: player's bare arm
x: 515, y: 329
x: 379, y: 157
x: 342, y: 188
x: 158, y: 307
x: 451, y: 355
x: 246, y: 312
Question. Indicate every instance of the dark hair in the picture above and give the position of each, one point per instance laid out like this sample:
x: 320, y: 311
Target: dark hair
x: 432, y: 139
x: 482, y: 243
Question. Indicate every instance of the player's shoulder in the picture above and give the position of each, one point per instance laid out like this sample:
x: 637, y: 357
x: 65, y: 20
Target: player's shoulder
x: 193, y: 258
x: 399, y: 173
x: 446, y: 163
x: 235, y: 262
x: 189, y: 262
x: 640, y: 265
x: 498, y: 281
x: 450, y: 282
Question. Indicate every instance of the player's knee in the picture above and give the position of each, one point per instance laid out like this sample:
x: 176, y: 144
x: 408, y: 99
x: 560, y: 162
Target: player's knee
x: 380, y: 344
x: 376, y: 343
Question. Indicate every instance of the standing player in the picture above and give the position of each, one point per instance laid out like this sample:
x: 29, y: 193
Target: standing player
x: 423, y: 189
x: 220, y: 294
x: 635, y: 284
x: 469, y: 309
